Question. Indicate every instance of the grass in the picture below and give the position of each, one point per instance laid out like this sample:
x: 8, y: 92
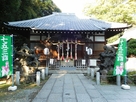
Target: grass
x: 4, y: 93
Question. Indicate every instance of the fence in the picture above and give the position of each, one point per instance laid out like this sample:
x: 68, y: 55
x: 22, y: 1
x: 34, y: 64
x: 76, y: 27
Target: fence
x: 92, y: 73
x: 53, y: 63
x: 38, y: 76
x: 80, y: 64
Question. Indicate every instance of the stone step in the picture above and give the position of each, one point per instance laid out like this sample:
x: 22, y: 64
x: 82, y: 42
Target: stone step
x: 67, y: 71
x: 69, y: 63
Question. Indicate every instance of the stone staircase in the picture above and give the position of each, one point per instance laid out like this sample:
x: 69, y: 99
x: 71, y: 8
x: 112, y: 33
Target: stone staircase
x: 67, y: 71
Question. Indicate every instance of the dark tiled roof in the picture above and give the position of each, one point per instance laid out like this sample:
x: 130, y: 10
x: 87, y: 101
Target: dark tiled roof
x: 64, y: 21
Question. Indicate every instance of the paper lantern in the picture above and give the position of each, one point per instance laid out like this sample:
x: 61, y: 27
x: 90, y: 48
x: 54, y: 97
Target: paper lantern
x: 46, y: 51
x: 89, y: 51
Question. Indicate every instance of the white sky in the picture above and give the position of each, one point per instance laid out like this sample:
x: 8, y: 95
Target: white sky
x: 72, y: 6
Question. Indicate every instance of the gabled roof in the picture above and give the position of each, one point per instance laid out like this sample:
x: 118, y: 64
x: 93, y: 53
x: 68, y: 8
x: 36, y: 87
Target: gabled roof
x: 66, y: 21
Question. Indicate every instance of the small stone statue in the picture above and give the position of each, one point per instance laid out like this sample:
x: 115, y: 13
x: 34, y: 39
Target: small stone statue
x: 107, y: 58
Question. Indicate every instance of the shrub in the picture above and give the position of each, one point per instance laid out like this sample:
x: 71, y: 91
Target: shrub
x: 132, y: 47
x: 110, y: 78
x: 132, y: 76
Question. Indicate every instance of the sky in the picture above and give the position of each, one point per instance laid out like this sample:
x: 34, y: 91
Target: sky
x: 72, y: 6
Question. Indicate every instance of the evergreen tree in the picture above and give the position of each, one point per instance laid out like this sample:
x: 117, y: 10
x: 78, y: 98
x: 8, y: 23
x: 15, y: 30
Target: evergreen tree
x: 14, y: 10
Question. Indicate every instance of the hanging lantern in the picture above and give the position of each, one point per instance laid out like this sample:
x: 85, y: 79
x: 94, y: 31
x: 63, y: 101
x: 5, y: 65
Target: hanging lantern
x: 89, y: 51
x: 46, y: 51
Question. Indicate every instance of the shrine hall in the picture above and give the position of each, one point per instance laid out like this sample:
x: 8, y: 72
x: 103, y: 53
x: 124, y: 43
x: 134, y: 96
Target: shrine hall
x: 66, y: 36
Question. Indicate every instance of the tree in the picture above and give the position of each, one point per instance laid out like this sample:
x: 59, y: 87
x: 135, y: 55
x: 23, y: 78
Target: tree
x: 13, y: 10
x: 8, y: 8
x: 132, y: 48
x: 26, y: 10
x: 113, y: 10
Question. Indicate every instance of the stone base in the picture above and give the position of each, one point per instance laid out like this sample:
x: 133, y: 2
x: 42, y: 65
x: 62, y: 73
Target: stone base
x: 104, y: 76
x: 12, y: 88
x: 126, y: 87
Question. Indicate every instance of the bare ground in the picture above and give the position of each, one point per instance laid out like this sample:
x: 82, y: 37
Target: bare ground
x: 24, y: 92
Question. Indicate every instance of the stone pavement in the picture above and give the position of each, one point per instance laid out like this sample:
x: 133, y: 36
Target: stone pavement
x: 78, y: 88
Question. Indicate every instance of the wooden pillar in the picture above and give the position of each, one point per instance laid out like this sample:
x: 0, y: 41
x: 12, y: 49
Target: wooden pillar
x: 62, y: 51
x: 58, y: 51
x: 71, y: 51
x: 76, y: 49
x: 67, y: 49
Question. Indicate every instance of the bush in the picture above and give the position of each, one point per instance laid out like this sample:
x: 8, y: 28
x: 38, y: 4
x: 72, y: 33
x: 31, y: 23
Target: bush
x: 132, y: 47
x: 110, y: 78
x: 132, y: 76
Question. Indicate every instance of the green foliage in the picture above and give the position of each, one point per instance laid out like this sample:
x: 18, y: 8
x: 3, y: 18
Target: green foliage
x: 19, y: 40
x: 8, y: 9
x: 110, y: 78
x: 132, y: 47
x: 132, y: 76
x: 13, y: 10
x: 113, y: 10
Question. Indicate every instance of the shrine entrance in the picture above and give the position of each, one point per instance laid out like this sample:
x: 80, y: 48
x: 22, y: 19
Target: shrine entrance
x: 69, y: 51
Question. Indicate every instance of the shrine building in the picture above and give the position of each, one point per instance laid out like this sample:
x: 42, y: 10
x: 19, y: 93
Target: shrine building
x: 66, y: 35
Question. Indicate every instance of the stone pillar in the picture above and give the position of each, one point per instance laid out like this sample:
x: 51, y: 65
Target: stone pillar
x: 43, y: 74
x: 88, y: 71
x: 38, y: 78
x: 92, y: 73
x: 18, y: 77
x: 118, y: 79
x: 97, y: 78
x: 46, y: 71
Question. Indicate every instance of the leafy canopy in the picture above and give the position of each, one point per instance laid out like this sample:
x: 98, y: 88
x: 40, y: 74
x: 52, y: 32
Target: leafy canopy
x: 113, y: 10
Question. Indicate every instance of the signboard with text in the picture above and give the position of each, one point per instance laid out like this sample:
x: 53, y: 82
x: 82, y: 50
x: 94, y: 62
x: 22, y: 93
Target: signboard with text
x: 121, y: 56
x: 6, y: 62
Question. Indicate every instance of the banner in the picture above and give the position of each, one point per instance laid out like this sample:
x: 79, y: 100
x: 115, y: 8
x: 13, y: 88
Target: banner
x: 6, y: 55
x: 121, y: 56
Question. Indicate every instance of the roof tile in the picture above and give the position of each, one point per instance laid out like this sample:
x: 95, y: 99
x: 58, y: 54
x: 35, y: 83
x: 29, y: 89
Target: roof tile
x: 64, y: 21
